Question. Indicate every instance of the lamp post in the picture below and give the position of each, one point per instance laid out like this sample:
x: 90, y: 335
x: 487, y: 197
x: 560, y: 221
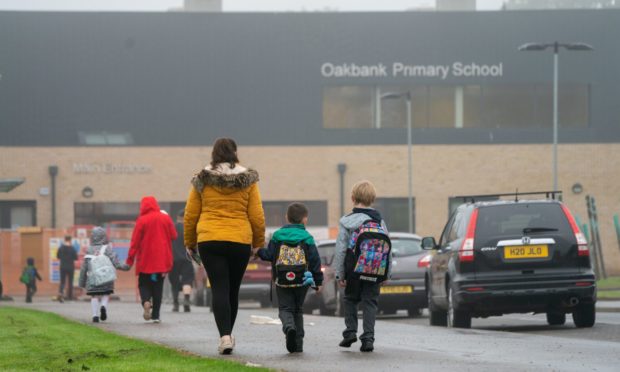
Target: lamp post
x: 407, y: 97
x: 556, y: 45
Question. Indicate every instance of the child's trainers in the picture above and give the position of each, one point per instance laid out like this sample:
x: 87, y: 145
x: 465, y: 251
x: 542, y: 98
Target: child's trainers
x: 104, y: 313
x: 291, y: 340
x: 348, y: 341
x: 367, y: 346
x: 95, y: 319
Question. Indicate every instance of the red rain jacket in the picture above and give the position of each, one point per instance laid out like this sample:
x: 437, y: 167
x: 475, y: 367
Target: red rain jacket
x: 151, y: 241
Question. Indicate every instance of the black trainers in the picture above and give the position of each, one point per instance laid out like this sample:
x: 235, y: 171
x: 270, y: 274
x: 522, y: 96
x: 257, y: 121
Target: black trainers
x: 291, y: 342
x: 95, y: 319
x: 367, y: 346
x: 348, y: 341
x: 104, y: 313
x: 299, y: 348
x: 186, y: 305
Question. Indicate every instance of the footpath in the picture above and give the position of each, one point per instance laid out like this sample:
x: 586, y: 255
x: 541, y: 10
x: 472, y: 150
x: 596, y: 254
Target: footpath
x: 399, y: 347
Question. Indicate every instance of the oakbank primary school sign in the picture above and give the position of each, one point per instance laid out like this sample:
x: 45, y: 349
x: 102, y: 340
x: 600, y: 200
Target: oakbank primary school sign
x: 399, y: 69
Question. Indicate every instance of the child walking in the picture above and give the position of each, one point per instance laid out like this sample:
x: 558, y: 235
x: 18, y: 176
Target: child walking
x: 363, y: 261
x: 296, y: 265
x: 100, y: 294
x: 29, y: 277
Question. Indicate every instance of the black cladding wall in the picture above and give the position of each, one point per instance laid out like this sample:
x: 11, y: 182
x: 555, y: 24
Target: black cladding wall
x: 185, y: 79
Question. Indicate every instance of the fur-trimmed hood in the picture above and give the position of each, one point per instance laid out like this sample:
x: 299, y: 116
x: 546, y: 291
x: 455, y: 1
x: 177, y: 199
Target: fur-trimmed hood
x: 222, y: 177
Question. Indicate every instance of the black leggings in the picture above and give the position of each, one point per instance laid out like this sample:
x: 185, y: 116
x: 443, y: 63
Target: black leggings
x: 151, y: 290
x: 225, y: 263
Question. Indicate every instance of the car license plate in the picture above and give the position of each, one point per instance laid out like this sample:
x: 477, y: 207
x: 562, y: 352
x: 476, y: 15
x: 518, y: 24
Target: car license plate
x: 526, y: 251
x: 396, y: 289
x: 252, y: 266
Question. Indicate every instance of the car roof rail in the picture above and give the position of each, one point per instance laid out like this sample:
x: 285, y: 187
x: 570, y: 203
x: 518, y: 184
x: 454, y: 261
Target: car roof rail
x: 553, y: 195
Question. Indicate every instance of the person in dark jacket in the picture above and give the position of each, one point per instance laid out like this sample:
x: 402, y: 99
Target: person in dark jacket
x: 182, y: 275
x: 32, y: 276
x: 67, y: 256
x: 151, y: 249
x: 291, y: 298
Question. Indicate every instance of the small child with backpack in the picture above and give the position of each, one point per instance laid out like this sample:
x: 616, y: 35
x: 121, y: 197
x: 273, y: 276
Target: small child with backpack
x: 98, y: 273
x: 29, y: 277
x: 296, y: 266
x: 362, y: 262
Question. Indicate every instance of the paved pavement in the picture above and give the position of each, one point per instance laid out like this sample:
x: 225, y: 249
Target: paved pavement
x: 399, y: 346
x: 608, y: 306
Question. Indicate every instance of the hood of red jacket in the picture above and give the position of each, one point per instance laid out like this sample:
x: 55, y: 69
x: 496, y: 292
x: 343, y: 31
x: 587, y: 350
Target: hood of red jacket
x: 148, y: 204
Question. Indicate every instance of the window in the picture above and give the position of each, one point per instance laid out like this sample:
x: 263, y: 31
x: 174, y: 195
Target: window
x: 102, y: 213
x: 348, y: 107
x: 275, y: 212
x: 14, y: 214
x: 105, y: 138
x: 395, y: 213
x: 457, y: 106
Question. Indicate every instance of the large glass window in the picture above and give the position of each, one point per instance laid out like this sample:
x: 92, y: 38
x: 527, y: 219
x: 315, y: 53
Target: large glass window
x: 456, y: 106
x: 348, y: 107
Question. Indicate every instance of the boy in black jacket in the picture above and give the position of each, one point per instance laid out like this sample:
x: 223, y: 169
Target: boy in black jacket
x: 294, y: 257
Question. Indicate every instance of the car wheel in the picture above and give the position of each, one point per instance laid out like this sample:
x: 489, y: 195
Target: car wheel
x: 554, y: 318
x: 457, y: 318
x: 323, y: 310
x: 437, y: 317
x: 584, y: 315
x: 414, y: 312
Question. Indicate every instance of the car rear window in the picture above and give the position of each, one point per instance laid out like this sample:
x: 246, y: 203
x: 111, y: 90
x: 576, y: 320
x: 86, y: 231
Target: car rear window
x: 405, y: 247
x: 512, y: 219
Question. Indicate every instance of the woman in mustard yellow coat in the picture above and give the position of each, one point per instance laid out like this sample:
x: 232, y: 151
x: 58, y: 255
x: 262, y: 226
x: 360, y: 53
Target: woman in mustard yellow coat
x: 224, y: 220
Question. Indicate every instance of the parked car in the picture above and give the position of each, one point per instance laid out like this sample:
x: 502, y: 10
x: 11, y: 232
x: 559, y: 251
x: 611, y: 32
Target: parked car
x: 256, y: 286
x: 516, y: 256
x: 327, y: 300
x: 405, y: 290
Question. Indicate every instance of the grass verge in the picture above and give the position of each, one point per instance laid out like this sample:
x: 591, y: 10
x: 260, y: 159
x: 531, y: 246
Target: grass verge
x: 609, y: 283
x: 608, y: 295
x: 34, y: 340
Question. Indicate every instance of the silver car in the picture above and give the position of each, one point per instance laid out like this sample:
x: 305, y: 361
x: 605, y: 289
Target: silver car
x: 404, y: 291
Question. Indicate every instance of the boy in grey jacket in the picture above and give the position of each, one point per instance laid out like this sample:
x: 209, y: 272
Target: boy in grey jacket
x: 100, y: 295
x: 363, y: 196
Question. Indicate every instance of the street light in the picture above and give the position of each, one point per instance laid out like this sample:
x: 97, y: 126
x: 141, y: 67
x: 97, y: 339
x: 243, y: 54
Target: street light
x: 538, y: 47
x: 407, y: 97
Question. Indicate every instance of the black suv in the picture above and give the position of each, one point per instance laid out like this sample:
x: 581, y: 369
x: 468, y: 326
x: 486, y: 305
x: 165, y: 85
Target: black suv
x: 517, y: 256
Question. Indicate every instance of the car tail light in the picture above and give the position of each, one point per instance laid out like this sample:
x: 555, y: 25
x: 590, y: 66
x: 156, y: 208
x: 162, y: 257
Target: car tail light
x: 582, y: 243
x: 424, y: 261
x: 475, y: 289
x: 583, y: 284
x: 466, y: 252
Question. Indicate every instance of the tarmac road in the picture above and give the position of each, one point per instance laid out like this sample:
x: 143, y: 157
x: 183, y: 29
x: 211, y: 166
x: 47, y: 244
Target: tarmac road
x: 401, y: 344
x: 607, y: 327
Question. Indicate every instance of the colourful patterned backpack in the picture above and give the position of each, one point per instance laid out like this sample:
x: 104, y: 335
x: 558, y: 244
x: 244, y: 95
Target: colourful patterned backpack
x: 368, y: 254
x: 291, y: 264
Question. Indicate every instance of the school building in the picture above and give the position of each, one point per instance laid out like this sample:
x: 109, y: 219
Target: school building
x: 100, y: 109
